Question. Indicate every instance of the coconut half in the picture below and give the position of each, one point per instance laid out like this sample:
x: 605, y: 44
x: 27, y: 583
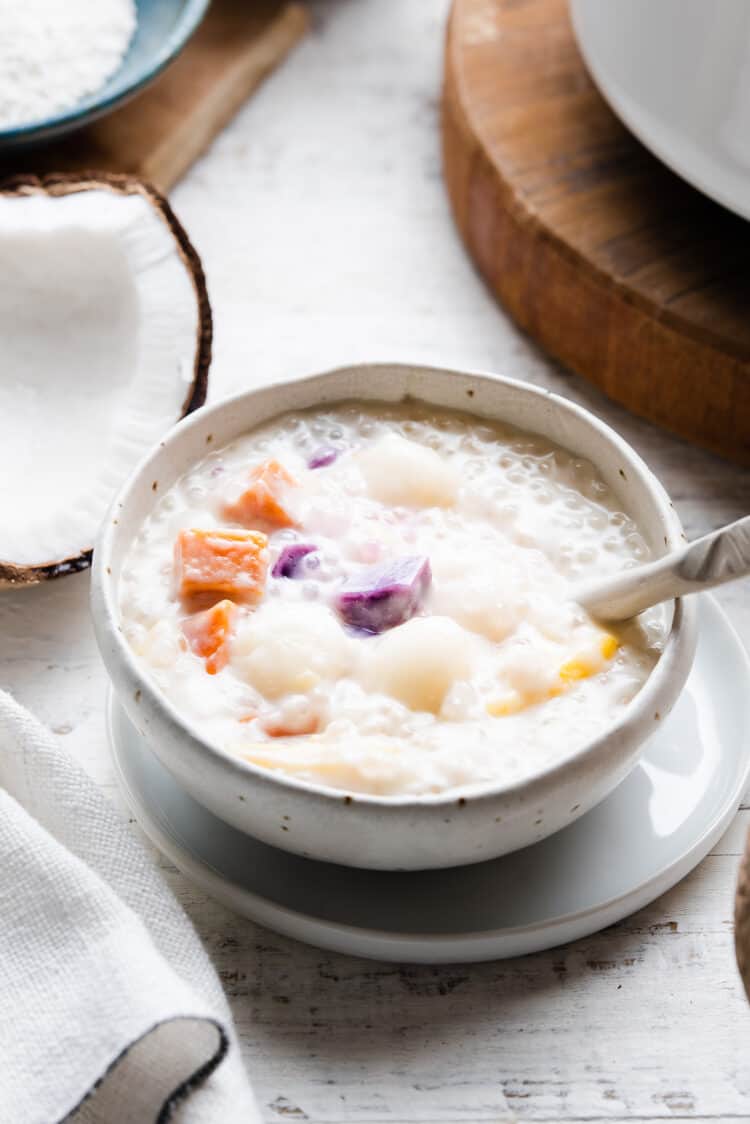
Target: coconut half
x: 105, y: 342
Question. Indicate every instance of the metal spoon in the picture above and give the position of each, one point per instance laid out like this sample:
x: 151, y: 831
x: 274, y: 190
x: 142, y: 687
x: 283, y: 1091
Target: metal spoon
x: 722, y: 556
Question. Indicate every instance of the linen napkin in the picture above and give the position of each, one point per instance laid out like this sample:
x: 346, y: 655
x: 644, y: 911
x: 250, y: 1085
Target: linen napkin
x: 110, y: 1010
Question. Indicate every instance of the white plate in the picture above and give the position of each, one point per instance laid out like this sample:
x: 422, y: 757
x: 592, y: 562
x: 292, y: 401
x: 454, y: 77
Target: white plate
x: 638, y: 843
x: 677, y: 72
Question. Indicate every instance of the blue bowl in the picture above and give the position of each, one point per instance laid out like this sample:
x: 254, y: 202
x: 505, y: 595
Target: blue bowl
x: 163, y: 29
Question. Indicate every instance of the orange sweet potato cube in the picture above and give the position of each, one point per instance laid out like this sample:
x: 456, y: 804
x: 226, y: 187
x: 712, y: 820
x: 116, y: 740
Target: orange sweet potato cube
x: 229, y: 563
x: 208, y: 633
x: 264, y: 499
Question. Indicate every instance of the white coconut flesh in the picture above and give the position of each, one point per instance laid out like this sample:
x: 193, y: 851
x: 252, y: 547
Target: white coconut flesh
x: 100, y: 327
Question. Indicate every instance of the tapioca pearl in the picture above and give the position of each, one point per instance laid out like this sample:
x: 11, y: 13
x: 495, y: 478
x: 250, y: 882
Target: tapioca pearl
x: 149, y: 534
x: 655, y: 633
x: 612, y: 544
x: 215, y: 476
x: 196, y: 491
x: 570, y: 523
x: 522, y: 445
x: 525, y: 534
x: 472, y: 469
x: 573, y: 502
x: 597, y: 520
x: 470, y: 444
x: 618, y: 519
x: 597, y: 490
x: 582, y: 468
x: 434, y: 441
x: 169, y: 503
x: 636, y: 544
x: 543, y: 494
x: 516, y: 476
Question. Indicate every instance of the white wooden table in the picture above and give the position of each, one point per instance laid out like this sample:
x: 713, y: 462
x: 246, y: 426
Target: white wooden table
x: 325, y: 233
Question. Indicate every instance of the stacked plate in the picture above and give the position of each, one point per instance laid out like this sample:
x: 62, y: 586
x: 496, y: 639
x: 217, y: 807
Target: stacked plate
x: 653, y: 829
x: 678, y: 74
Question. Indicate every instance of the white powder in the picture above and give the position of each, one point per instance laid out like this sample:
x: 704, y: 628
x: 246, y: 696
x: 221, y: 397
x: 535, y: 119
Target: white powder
x: 55, y: 52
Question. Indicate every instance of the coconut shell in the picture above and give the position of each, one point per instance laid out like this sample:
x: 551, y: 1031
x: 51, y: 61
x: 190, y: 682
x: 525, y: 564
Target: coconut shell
x: 69, y: 183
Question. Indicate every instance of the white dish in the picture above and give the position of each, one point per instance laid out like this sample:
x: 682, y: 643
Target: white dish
x: 676, y: 73
x: 646, y: 836
x: 392, y: 833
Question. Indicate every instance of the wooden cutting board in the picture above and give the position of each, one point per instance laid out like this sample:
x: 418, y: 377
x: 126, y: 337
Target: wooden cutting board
x: 615, y: 265
x: 163, y: 130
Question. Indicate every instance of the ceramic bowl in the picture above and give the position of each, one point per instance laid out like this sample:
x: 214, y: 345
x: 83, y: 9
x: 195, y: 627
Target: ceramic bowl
x: 163, y: 29
x: 677, y: 72
x: 386, y: 832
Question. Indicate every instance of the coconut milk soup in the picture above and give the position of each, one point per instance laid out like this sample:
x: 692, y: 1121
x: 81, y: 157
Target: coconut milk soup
x: 378, y: 599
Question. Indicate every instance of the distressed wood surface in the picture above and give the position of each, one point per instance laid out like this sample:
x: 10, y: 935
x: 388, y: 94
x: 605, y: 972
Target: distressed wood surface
x: 326, y: 235
x: 619, y: 268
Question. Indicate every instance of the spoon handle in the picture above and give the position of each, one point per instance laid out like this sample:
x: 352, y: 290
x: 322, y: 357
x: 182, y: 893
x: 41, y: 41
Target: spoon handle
x: 721, y: 556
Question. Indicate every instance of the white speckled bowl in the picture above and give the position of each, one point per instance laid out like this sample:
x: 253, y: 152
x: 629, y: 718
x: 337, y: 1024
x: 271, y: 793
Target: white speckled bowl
x: 386, y: 832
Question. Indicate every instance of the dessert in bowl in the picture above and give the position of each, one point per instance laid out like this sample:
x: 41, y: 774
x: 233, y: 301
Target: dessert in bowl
x: 342, y: 613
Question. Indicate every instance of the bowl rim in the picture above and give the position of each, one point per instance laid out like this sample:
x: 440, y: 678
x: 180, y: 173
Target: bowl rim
x: 93, y: 106
x: 633, y: 723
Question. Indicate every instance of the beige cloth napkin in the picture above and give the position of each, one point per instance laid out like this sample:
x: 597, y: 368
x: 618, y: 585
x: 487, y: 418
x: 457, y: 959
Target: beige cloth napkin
x: 110, y: 1011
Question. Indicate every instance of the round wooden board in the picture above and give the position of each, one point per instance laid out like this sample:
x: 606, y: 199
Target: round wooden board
x: 615, y: 265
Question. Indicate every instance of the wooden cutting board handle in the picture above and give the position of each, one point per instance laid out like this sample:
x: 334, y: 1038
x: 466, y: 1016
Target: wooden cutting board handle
x: 615, y: 265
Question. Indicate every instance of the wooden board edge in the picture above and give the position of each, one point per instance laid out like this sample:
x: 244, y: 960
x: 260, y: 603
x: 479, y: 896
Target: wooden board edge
x: 488, y: 214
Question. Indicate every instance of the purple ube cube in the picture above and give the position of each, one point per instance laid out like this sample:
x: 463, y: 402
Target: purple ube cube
x: 386, y: 595
x: 287, y: 564
x: 326, y: 454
